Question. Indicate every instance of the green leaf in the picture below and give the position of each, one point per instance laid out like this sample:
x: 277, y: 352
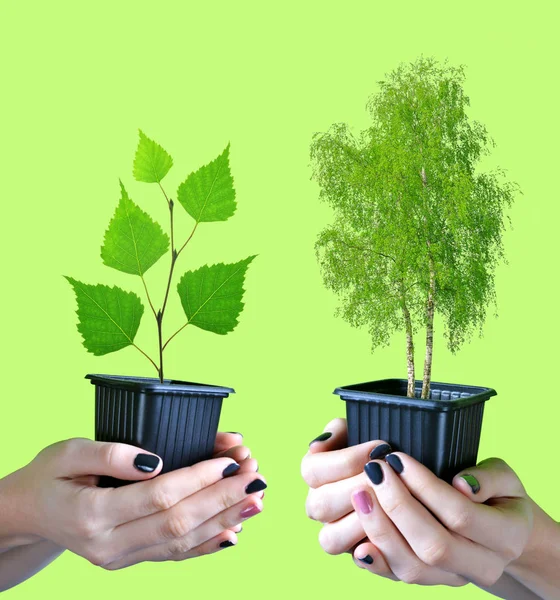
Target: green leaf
x: 133, y: 242
x: 208, y: 194
x: 108, y: 317
x: 211, y: 296
x: 151, y: 163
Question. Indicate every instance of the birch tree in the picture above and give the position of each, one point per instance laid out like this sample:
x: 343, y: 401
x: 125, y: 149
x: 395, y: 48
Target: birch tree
x: 418, y: 226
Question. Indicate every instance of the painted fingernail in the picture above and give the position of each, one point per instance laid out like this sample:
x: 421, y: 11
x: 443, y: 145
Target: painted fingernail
x: 473, y: 483
x: 250, y: 511
x: 227, y: 544
x: 231, y: 470
x: 395, y: 463
x: 374, y: 472
x: 255, y: 486
x: 380, y: 451
x: 367, y: 559
x: 321, y: 438
x: 147, y: 463
x: 363, y: 502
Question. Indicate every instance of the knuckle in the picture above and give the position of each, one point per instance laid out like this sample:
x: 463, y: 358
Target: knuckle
x: 436, y: 554
x: 394, y: 506
x: 412, y: 575
x: 512, y: 551
x: 108, y: 454
x: 86, y: 528
x: 490, y: 576
x: 161, y: 499
x: 329, y: 541
x: 180, y: 547
x: 460, y: 521
x: 176, y: 526
x: 97, y: 556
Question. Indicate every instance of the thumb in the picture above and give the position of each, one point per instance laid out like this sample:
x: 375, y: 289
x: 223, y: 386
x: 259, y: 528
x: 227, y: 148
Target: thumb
x: 491, y: 478
x: 79, y: 457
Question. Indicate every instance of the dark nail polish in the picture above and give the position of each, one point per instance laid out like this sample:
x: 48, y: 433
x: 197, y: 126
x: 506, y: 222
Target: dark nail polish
x: 380, y: 451
x: 227, y: 544
x: 322, y: 438
x: 395, y: 463
x: 367, y: 559
x: 147, y: 463
x: 374, y: 472
x: 473, y: 483
x: 255, y: 486
x: 231, y: 469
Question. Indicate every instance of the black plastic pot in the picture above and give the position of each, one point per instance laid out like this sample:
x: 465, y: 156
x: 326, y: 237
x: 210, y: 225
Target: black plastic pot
x: 176, y: 420
x: 442, y: 432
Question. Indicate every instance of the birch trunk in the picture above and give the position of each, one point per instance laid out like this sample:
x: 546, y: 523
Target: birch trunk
x: 430, y: 310
x: 409, y: 350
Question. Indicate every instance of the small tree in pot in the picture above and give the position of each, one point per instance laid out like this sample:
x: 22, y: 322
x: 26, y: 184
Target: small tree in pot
x: 174, y: 419
x: 417, y: 232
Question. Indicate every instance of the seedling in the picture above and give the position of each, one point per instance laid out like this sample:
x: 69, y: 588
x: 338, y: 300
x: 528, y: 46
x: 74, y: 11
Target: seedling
x: 211, y: 296
x: 418, y: 227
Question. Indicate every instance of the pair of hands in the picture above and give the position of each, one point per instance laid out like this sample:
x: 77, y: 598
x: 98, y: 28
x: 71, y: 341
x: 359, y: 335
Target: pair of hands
x: 402, y: 522
x: 179, y: 515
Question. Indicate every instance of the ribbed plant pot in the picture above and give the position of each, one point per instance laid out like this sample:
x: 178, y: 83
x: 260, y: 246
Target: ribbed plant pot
x: 442, y: 432
x: 176, y: 420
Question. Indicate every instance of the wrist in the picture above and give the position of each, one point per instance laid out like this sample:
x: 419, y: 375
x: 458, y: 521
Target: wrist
x: 16, y: 527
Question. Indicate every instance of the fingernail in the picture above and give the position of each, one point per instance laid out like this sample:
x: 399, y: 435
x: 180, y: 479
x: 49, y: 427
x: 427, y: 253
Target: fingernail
x: 473, y: 483
x: 367, y: 559
x: 255, y: 486
x: 395, y: 463
x: 374, y: 472
x: 231, y: 469
x: 227, y: 544
x: 321, y: 438
x: 235, y: 433
x: 363, y: 502
x: 250, y: 511
x: 147, y: 463
x: 380, y: 451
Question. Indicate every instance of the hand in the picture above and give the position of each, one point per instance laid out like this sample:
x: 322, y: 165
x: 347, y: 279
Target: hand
x: 179, y: 515
x: 472, y: 537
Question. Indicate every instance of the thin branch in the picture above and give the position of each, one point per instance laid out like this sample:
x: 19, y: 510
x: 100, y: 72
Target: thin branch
x: 148, y: 296
x: 188, y: 239
x: 142, y: 351
x: 178, y: 331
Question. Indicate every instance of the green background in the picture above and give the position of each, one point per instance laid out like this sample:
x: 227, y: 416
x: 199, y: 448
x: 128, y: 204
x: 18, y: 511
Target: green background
x: 79, y: 79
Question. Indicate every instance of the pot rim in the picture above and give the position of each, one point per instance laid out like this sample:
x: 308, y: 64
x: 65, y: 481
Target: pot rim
x: 152, y: 385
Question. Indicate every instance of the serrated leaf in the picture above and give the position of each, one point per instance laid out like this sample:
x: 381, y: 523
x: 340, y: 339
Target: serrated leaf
x: 133, y: 242
x: 151, y: 163
x: 212, y: 295
x: 208, y: 194
x: 108, y: 317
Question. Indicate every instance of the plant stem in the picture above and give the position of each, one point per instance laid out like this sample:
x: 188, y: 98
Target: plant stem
x: 142, y: 351
x: 148, y: 296
x: 430, y: 310
x: 178, y: 331
x: 409, y: 349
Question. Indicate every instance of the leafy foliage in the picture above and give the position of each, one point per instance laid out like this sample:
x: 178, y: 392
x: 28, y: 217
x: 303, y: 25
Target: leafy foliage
x: 208, y: 194
x: 108, y: 317
x: 212, y: 295
x: 133, y: 241
x: 409, y: 201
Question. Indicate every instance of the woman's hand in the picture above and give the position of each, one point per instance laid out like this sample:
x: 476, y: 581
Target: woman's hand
x: 422, y: 530
x: 186, y: 513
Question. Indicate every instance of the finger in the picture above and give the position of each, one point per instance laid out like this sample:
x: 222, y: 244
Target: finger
x: 238, y: 453
x: 332, y: 501
x: 184, y: 517
x: 225, y: 539
x: 394, y: 548
x: 249, y: 465
x: 367, y: 556
x: 434, y: 545
x: 491, y: 478
x: 498, y: 530
x: 226, y: 440
x: 124, y: 504
x: 318, y: 469
x: 81, y: 457
x: 334, y: 437
x: 340, y: 536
